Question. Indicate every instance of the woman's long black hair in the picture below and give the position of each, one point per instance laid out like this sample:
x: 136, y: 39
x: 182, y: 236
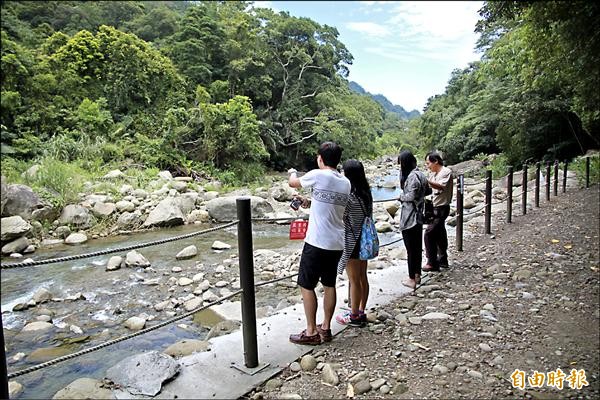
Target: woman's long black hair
x: 355, y: 172
x: 407, y: 162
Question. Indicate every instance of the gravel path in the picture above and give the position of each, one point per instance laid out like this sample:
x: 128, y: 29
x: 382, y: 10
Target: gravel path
x: 525, y: 298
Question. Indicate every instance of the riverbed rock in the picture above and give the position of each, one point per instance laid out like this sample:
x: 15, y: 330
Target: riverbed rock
x: 224, y: 208
x: 41, y: 295
x: 223, y: 328
x: 129, y: 220
x: 135, y: 259
x: 14, y: 388
x: 188, y: 252
x: 84, y: 388
x: 46, y: 213
x: 193, y: 303
x: 44, y: 354
x: 114, y: 174
x: 218, y: 245
x: 144, y: 374
x: 13, y: 227
x: 76, y: 238
x: 16, y: 246
x: 37, y: 326
x: 20, y: 200
x: 186, y: 347
x: 166, y: 213
x: 166, y: 175
x: 123, y: 206
x: 103, y: 210
x: 76, y: 215
x: 135, y: 323
x: 114, y: 263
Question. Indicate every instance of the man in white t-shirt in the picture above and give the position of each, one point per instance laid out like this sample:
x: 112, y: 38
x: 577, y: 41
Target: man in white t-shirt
x: 324, y: 240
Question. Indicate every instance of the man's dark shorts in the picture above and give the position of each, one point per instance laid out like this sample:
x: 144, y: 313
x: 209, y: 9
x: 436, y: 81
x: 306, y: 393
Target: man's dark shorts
x: 316, y: 264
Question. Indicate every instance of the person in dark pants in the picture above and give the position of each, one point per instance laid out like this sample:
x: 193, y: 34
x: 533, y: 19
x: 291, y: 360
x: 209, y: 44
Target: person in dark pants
x: 414, y: 186
x: 436, y: 238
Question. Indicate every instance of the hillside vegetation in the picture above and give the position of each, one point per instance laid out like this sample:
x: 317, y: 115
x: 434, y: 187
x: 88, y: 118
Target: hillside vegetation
x: 229, y: 90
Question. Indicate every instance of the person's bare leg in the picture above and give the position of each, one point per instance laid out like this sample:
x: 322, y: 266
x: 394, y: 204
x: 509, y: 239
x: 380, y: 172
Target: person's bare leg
x: 364, y: 295
x: 353, y: 269
x: 329, y: 300
x: 309, y: 299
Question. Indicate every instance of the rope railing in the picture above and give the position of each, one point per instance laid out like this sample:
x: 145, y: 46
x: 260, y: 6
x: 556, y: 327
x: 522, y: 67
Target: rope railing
x: 120, y: 339
x: 117, y: 250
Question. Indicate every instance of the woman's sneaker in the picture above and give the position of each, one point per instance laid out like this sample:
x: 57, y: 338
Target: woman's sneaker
x: 348, y: 319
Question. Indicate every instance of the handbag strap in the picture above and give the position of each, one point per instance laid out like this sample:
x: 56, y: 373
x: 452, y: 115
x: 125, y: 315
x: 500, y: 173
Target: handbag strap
x: 360, y: 203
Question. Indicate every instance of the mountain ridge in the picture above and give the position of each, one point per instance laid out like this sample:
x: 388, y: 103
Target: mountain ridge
x: 384, y: 102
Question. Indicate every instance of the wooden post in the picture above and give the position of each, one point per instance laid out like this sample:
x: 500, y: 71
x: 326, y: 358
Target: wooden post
x: 524, y: 190
x: 4, y: 370
x: 587, y: 172
x: 460, y: 192
x: 509, y: 184
x: 548, y: 172
x: 488, y: 201
x: 537, y: 184
x: 565, y: 176
x: 246, y: 260
x: 555, y: 177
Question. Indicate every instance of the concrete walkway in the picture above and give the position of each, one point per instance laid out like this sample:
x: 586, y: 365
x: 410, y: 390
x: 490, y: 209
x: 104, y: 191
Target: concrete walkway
x: 219, y: 373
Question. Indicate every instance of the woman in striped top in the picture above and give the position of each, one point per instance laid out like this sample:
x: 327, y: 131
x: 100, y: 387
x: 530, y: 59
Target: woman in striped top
x: 360, y: 205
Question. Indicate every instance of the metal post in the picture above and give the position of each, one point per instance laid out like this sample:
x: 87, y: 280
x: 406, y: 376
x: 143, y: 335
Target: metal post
x: 3, y: 370
x: 565, y: 176
x: 587, y: 172
x: 460, y: 191
x: 524, y: 190
x: 488, y: 201
x: 246, y: 260
x: 555, y: 177
x: 548, y: 172
x: 537, y: 184
x: 509, y: 185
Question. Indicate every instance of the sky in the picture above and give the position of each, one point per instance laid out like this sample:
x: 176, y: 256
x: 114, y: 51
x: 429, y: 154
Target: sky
x: 405, y: 50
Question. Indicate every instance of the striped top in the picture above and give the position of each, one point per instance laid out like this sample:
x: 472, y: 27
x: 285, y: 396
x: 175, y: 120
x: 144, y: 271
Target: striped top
x: 354, y: 216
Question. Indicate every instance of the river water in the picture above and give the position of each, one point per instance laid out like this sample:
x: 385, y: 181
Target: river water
x: 110, y: 295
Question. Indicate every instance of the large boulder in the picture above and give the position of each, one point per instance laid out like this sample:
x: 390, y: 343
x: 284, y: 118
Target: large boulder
x: 166, y: 213
x: 144, y: 374
x: 13, y: 227
x: 282, y: 192
x: 16, y: 246
x: 75, y: 215
x: 129, y: 220
x: 19, y: 200
x: 468, y: 168
x: 47, y: 213
x: 224, y: 208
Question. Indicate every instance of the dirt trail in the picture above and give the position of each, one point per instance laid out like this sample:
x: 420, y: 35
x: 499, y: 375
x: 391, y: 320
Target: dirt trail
x: 524, y: 299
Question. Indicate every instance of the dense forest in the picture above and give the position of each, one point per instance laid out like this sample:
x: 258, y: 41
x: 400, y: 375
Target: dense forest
x: 226, y: 88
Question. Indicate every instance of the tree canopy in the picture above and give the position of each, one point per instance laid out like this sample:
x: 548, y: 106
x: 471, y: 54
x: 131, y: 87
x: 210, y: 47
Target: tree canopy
x: 222, y: 84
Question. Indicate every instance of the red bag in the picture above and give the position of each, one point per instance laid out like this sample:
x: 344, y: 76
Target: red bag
x: 298, y: 229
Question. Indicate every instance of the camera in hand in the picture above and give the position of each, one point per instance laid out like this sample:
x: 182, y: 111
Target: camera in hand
x: 295, y: 204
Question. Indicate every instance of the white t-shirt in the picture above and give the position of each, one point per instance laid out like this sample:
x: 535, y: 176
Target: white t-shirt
x: 330, y: 191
